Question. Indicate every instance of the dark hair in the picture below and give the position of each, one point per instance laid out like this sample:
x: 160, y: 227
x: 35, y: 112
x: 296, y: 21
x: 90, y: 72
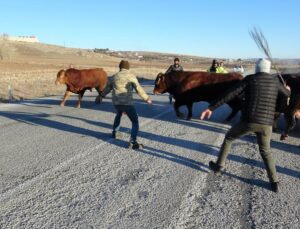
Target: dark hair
x: 176, y: 59
x: 124, y: 64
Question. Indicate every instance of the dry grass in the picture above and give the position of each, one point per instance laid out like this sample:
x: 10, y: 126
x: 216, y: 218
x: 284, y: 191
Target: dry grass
x: 30, y: 69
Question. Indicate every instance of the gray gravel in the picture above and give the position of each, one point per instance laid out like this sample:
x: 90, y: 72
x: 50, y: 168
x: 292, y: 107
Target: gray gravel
x: 59, y: 168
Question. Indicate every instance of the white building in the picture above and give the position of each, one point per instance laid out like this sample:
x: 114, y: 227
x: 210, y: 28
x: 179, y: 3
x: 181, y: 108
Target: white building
x: 31, y: 39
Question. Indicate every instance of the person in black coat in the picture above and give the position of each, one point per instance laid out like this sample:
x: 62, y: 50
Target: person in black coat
x: 176, y: 67
x: 261, y: 90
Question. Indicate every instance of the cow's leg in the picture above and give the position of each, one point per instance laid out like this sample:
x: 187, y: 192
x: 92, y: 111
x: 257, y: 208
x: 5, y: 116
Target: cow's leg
x: 190, y: 111
x: 290, y: 116
x: 99, y: 97
x: 235, y: 105
x: 232, y: 114
x: 66, y: 96
x: 275, y: 123
x: 290, y: 124
x: 80, y: 95
x: 176, y: 108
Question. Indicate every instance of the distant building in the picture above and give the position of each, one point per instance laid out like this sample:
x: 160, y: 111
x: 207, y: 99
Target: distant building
x: 102, y: 50
x: 31, y: 39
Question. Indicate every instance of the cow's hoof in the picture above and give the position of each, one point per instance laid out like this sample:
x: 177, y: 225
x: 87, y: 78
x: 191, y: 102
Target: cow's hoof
x: 188, y: 117
x: 78, y: 106
x: 98, y: 100
x: 180, y: 115
x: 283, y: 137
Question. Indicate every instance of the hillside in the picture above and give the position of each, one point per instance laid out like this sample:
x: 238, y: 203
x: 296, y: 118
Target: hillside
x: 30, y: 68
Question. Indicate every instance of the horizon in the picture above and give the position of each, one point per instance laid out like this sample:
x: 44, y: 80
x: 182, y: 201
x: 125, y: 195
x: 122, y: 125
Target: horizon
x: 190, y: 28
x: 164, y: 53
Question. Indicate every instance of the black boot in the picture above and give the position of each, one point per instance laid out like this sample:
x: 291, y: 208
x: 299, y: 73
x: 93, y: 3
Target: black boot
x: 274, y: 186
x: 215, y: 167
x: 135, y: 145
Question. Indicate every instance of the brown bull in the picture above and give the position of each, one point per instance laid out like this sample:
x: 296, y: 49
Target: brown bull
x: 190, y: 87
x: 291, y: 110
x: 78, y: 81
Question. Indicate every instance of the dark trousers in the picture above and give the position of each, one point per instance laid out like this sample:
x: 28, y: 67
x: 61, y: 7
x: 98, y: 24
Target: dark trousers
x: 132, y: 115
x: 263, y: 134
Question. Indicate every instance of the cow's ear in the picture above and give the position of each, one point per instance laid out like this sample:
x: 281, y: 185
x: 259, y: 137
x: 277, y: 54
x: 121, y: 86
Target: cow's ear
x: 163, y: 77
x: 157, y: 80
x: 61, y: 72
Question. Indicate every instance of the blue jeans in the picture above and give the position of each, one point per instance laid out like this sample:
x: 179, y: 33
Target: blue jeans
x: 132, y: 115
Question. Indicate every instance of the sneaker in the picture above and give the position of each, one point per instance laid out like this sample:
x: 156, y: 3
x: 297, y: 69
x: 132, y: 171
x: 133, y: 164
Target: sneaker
x: 116, y: 135
x: 215, y: 167
x: 135, y: 145
x: 274, y: 186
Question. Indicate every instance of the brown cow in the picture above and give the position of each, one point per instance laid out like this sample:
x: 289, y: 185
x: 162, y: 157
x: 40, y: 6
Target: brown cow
x: 78, y: 81
x: 190, y: 87
x: 291, y: 110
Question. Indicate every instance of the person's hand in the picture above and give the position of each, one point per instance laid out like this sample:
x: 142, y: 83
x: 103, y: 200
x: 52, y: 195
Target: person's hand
x: 149, y: 101
x: 207, y: 113
x: 288, y: 88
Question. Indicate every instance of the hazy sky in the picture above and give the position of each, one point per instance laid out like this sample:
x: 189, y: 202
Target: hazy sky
x: 205, y: 28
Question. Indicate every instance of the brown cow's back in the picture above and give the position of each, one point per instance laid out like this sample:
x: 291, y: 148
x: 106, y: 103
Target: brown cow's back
x: 184, y: 81
x: 78, y: 80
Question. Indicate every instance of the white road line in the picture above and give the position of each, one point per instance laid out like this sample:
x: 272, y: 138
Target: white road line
x: 28, y: 183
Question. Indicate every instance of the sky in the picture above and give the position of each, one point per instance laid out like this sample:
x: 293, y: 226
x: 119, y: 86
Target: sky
x: 218, y: 28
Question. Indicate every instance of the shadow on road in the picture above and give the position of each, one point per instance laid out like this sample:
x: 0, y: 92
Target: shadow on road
x: 43, y: 120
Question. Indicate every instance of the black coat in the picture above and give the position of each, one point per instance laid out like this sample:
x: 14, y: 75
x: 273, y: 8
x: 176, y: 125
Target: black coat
x: 261, y: 91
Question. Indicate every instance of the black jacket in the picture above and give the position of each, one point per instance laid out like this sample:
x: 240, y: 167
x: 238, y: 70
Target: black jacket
x: 261, y: 91
x: 174, y: 68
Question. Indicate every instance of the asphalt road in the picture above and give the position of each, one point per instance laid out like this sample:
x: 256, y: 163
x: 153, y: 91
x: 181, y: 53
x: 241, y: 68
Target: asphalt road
x: 59, y: 168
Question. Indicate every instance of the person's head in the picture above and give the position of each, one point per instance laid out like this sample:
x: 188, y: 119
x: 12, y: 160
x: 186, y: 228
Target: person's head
x: 263, y: 65
x: 176, y: 61
x: 124, y: 64
x: 221, y: 64
x: 214, y: 63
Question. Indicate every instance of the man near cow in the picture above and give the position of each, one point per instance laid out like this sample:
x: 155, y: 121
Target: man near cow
x: 261, y: 90
x: 176, y: 67
x: 122, y: 85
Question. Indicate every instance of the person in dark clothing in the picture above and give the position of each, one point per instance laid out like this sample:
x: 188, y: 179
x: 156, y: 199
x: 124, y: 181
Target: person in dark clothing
x: 261, y: 90
x: 176, y: 67
x: 214, y: 66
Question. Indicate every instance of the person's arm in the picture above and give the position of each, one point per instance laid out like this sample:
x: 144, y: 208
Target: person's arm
x: 140, y: 90
x: 229, y: 95
x: 233, y: 92
x: 108, y: 88
x: 285, y: 91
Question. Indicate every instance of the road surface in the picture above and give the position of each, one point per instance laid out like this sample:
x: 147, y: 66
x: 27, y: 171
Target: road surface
x: 59, y: 168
